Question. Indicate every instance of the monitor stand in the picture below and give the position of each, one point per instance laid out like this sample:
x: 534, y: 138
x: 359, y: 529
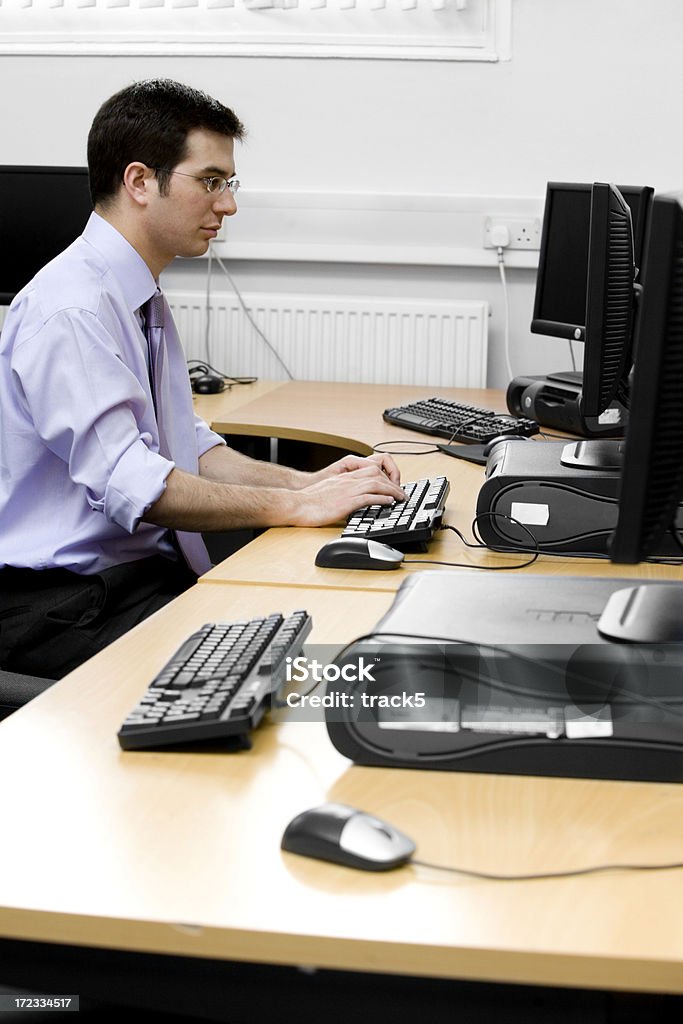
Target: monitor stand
x: 604, y: 454
x: 574, y: 377
x: 644, y: 614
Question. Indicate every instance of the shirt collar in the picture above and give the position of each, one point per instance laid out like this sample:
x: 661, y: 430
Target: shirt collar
x: 127, y: 265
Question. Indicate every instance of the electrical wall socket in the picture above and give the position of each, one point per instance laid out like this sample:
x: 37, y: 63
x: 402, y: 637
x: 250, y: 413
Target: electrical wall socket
x: 525, y: 232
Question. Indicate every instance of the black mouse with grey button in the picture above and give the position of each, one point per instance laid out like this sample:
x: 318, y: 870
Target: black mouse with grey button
x: 358, y: 553
x: 345, y: 835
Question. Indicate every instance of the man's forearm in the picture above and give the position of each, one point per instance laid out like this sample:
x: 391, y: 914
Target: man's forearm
x: 223, y: 496
x: 228, y: 466
x: 197, y: 503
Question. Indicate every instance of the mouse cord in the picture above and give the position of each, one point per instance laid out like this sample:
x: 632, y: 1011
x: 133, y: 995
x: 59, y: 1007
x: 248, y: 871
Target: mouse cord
x: 545, y: 875
x: 430, y: 447
x: 483, y: 547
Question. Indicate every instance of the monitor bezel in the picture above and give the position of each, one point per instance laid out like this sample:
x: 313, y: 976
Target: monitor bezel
x: 539, y: 325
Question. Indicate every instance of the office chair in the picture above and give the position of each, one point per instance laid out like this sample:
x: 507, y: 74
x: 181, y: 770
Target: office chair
x: 17, y: 689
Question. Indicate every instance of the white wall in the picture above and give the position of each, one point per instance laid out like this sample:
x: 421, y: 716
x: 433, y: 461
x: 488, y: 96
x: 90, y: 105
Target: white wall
x: 591, y: 93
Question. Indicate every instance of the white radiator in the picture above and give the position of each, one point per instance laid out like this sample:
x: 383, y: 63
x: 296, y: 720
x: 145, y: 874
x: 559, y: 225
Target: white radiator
x: 345, y: 338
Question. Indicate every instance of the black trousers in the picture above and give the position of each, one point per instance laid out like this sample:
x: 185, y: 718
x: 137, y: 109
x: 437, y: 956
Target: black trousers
x: 52, y: 620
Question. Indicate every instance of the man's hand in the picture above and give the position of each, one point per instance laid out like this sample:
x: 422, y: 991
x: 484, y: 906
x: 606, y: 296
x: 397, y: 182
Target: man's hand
x: 349, y: 463
x: 334, y: 497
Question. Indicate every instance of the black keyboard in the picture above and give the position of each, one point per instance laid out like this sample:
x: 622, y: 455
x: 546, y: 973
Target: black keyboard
x: 405, y: 523
x: 458, y: 421
x: 218, y: 683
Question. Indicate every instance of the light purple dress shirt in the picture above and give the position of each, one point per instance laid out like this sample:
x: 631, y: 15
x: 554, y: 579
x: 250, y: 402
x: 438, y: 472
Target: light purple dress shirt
x: 80, y: 455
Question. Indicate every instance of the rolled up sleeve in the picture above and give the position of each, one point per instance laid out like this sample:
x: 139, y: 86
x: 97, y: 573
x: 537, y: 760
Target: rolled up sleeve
x: 206, y: 437
x: 137, y: 480
x: 94, y: 413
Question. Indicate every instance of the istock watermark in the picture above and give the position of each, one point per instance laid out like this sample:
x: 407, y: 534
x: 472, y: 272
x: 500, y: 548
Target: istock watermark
x: 351, y: 684
x: 301, y: 670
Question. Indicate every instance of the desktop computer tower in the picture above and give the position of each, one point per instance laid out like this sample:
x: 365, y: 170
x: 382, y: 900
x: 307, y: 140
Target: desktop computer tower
x: 555, y: 401
x: 513, y: 675
x: 564, y: 493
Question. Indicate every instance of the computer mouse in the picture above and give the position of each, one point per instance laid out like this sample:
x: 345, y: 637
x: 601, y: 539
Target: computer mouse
x: 502, y: 437
x: 347, y: 836
x: 208, y: 384
x: 358, y: 553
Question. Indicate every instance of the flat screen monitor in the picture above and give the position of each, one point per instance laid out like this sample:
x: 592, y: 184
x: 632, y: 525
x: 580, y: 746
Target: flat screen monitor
x: 42, y: 210
x: 562, y: 279
x: 652, y: 474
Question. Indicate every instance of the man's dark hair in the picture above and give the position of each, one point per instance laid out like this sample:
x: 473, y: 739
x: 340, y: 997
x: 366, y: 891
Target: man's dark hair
x: 149, y: 121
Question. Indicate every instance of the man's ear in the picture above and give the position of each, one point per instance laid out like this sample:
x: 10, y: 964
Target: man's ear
x: 136, y: 180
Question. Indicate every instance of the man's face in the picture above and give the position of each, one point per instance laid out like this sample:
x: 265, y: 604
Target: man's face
x: 183, y: 222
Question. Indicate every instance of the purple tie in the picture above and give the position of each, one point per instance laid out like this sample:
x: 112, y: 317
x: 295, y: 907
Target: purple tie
x: 191, y: 544
x: 153, y: 313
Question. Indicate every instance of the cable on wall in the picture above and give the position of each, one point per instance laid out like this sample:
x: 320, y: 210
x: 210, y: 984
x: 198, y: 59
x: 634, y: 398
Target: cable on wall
x: 245, y: 309
x: 500, y: 237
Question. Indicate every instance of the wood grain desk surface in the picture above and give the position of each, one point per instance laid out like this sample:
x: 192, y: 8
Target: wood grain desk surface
x: 179, y: 853
x: 350, y: 417
x: 347, y: 416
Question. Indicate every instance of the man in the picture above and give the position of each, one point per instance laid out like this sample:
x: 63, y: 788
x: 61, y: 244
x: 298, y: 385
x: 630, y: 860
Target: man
x: 106, y: 474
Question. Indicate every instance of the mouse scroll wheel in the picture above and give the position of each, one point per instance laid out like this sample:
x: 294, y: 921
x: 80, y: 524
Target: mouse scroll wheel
x: 380, y: 827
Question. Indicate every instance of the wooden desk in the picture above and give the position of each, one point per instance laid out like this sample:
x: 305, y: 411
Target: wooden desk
x: 236, y: 397
x: 178, y: 853
x: 346, y: 416
x: 349, y: 416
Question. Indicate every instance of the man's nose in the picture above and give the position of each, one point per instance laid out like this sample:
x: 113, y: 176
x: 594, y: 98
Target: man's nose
x: 225, y: 204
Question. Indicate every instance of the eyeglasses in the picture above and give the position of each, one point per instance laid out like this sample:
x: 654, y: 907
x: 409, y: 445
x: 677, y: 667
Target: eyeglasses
x: 213, y: 185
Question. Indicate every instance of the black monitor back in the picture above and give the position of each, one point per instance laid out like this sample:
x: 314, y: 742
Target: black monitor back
x: 42, y: 210
x: 652, y: 477
x: 610, y: 302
